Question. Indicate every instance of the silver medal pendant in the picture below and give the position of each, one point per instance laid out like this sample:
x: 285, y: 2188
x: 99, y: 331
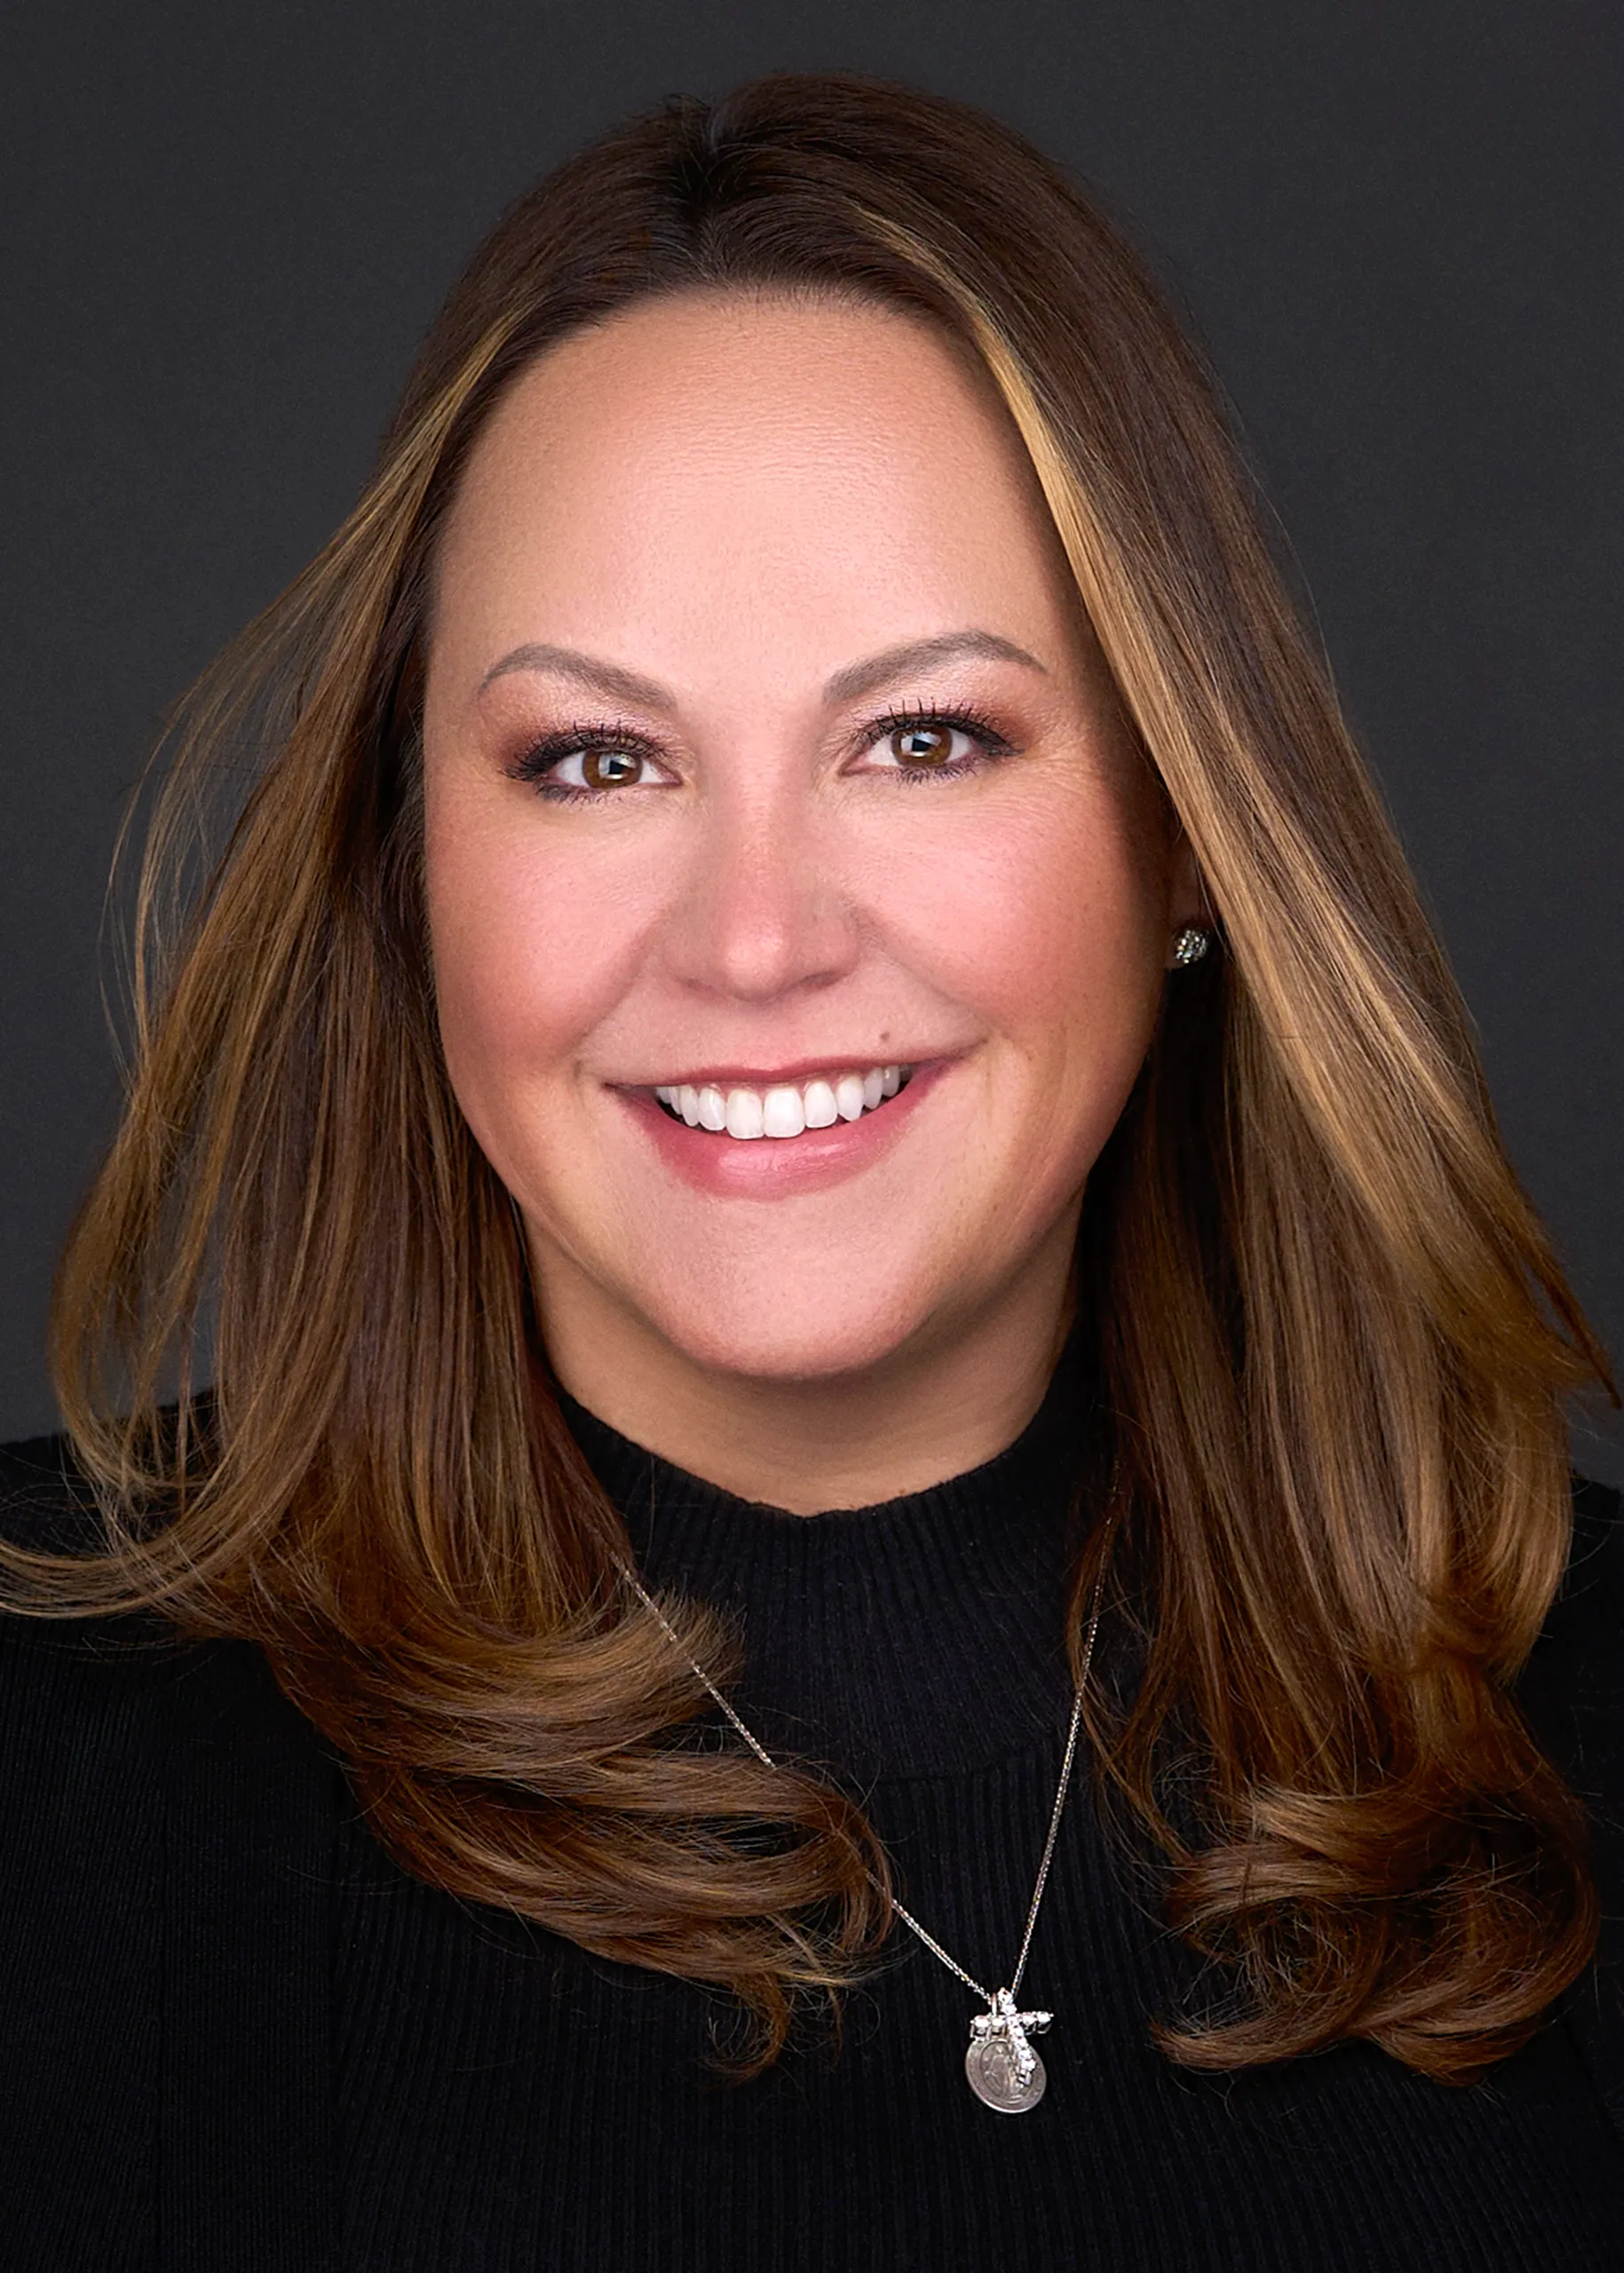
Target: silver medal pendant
x: 1003, y: 2070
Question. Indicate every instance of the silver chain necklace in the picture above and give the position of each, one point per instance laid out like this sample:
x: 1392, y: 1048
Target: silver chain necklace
x: 1003, y: 2069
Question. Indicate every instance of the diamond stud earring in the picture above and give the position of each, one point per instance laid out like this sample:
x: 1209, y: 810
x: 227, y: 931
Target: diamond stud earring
x: 1190, y: 945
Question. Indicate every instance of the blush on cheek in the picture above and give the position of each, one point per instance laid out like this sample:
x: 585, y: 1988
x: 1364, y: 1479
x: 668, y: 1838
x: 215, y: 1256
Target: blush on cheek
x: 1045, y: 919
x: 534, y: 947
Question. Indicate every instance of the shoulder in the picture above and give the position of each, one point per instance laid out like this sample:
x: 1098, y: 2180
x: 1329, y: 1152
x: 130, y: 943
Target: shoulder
x: 90, y: 1695
x: 142, y: 1765
x: 1571, y: 1693
x: 1573, y: 1683
x: 170, y: 1821
x: 1572, y: 1690
x: 45, y: 1503
x: 60, y: 1677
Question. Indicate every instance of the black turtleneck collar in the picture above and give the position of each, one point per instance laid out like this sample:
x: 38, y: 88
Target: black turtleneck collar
x: 924, y: 1637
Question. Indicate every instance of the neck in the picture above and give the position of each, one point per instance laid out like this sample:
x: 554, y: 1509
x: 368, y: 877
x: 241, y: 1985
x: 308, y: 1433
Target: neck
x: 940, y: 1404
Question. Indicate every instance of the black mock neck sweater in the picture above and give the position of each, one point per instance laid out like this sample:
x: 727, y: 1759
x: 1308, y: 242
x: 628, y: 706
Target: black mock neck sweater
x: 472, y: 2095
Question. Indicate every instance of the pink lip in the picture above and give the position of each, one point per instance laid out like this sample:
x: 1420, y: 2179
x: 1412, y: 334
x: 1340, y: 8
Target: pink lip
x: 769, y: 1167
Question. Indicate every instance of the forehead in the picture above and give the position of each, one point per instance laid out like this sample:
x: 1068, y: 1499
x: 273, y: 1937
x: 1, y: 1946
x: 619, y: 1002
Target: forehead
x: 754, y: 453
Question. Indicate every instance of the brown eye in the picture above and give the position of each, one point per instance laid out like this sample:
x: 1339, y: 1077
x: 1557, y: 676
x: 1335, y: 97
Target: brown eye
x: 568, y: 767
x: 609, y: 769
x: 924, y: 744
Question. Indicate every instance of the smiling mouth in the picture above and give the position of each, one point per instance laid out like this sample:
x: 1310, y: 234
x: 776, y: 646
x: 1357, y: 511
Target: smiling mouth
x: 788, y: 1108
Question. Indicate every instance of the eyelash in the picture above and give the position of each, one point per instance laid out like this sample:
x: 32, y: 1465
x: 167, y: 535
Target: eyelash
x: 553, y: 750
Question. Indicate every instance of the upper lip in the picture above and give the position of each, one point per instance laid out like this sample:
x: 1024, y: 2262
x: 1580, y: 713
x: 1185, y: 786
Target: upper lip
x: 755, y: 1077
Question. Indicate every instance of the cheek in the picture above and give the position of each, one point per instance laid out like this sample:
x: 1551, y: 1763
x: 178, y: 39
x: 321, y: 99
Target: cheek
x: 528, y: 953
x: 1045, y: 916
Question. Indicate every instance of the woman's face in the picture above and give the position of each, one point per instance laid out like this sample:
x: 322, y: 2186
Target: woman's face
x: 765, y: 751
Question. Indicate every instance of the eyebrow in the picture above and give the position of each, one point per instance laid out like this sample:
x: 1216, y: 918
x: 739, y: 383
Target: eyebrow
x: 589, y: 671
x: 848, y: 686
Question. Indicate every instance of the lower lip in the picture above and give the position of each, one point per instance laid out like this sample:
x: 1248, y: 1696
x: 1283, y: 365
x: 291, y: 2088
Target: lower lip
x: 769, y: 1168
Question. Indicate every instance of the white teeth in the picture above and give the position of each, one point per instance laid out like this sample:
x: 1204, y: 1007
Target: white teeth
x: 821, y: 1110
x: 782, y: 1113
x: 785, y: 1110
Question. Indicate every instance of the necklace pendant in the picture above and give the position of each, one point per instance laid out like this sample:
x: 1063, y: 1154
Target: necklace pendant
x: 1003, y: 2070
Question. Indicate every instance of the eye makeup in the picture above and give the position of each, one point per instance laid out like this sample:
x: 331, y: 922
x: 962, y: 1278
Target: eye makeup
x: 541, y: 760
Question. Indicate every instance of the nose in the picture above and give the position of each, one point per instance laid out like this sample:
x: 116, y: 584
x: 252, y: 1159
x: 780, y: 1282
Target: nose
x: 759, y: 912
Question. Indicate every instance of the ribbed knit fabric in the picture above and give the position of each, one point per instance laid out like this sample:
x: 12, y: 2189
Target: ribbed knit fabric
x: 506, y: 2104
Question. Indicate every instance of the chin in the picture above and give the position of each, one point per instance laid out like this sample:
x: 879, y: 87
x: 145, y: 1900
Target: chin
x: 807, y: 1339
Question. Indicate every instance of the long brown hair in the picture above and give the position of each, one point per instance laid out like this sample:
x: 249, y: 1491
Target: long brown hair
x: 1335, y: 1342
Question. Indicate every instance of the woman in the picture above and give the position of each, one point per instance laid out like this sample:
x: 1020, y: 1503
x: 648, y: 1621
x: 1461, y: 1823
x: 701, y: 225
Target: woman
x: 832, y: 1173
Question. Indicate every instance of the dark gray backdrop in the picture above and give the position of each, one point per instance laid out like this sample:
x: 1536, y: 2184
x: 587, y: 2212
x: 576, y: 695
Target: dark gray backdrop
x: 1397, y: 227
